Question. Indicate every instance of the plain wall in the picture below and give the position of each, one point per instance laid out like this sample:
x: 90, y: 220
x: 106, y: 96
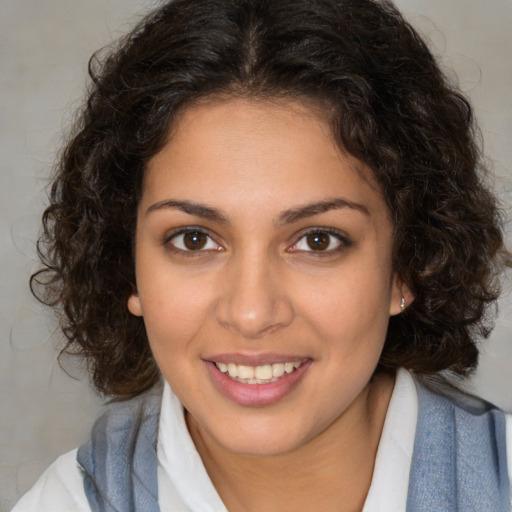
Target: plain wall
x: 44, y: 48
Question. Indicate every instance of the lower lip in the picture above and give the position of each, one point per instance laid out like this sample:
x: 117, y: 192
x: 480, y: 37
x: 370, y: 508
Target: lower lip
x: 256, y: 394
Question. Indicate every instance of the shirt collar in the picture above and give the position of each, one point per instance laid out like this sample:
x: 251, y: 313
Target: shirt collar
x: 178, y: 457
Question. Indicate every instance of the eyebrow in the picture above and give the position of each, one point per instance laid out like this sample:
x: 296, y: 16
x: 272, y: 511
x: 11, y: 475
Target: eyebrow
x: 286, y: 217
x: 199, y: 210
x: 308, y: 210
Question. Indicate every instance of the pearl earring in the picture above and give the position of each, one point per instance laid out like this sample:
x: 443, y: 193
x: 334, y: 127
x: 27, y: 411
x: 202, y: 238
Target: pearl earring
x: 403, y: 304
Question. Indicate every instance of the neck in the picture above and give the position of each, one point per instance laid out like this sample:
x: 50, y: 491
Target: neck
x: 332, y: 471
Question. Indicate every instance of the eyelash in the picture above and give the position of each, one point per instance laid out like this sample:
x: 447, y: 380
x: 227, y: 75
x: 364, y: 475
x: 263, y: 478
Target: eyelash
x: 344, y: 242
x: 168, y: 242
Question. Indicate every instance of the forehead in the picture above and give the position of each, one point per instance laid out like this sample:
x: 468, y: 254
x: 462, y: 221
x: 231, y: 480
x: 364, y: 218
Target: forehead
x: 250, y: 153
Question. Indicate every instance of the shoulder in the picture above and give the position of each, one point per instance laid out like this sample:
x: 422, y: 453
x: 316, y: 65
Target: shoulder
x: 451, y: 419
x: 460, y: 451
x: 121, y: 429
x: 126, y: 430
x: 119, y: 461
x: 59, y: 488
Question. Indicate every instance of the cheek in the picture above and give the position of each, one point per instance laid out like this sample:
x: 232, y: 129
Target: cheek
x: 353, y: 296
x: 350, y: 309
x: 174, y: 310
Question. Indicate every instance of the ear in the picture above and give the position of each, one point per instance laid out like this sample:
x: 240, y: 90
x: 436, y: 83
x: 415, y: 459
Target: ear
x: 133, y: 304
x: 401, y: 296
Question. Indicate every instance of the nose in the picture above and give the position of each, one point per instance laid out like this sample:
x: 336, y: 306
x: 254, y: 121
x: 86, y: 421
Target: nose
x: 253, y: 300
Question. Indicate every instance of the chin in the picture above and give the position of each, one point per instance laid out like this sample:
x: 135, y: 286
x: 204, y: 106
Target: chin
x: 261, y: 447
x: 265, y: 439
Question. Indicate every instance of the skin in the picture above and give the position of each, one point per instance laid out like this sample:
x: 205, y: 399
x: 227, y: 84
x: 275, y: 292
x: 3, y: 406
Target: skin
x: 257, y: 289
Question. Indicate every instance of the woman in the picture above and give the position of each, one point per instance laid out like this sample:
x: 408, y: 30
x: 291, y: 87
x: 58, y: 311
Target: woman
x: 277, y: 207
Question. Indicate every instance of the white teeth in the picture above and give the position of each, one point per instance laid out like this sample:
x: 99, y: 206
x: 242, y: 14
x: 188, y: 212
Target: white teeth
x: 245, y: 372
x: 278, y: 370
x: 232, y: 370
x: 263, y: 372
x: 288, y: 367
x: 258, y: 374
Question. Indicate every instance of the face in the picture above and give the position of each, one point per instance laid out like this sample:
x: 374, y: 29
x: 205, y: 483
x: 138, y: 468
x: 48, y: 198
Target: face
x: 264, y: 276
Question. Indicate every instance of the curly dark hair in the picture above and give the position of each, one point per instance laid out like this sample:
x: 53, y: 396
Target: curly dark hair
x: 391, y: 107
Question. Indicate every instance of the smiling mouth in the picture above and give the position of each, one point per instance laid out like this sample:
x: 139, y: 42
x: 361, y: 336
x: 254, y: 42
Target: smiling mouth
x: 264, y: 374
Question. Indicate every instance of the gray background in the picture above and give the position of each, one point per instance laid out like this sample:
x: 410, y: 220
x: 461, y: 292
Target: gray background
x: 44, y: 47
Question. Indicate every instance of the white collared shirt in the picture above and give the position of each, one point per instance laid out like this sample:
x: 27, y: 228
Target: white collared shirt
x: 184, y: 485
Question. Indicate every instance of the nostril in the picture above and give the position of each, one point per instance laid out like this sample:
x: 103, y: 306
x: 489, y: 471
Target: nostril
x: 255, y: 320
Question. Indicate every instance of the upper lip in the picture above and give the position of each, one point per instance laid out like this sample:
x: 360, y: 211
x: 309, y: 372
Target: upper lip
x: 255, y: 359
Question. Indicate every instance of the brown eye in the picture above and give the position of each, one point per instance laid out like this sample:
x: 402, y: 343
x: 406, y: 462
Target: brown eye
x: 194, y: 240
x: 318, y: 241
x: 322, y: 242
